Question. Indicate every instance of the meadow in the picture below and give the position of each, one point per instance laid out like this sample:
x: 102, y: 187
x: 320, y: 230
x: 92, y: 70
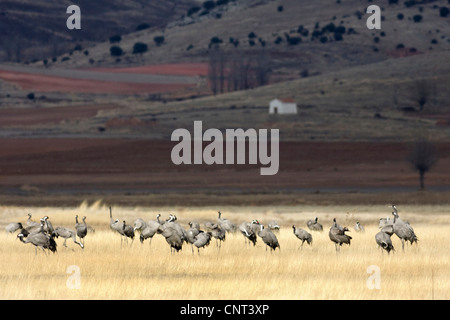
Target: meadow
x: 236, y: 271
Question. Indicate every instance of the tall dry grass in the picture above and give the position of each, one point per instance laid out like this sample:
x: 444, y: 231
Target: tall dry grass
x: 237, y: 271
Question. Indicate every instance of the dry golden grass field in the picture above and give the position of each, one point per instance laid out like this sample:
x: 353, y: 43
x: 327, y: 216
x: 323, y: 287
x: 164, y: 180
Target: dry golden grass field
x: 107, y: 271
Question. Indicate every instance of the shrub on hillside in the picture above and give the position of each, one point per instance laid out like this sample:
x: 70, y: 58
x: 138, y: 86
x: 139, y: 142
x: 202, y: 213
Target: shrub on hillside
x: 115, y: 51
x: 139, y: 48
x: 417, y: 18
x: 142, y: 26
x: 159, y: 40
x: 209, y: 5
x: 115, y: 39
x: 444, y: 12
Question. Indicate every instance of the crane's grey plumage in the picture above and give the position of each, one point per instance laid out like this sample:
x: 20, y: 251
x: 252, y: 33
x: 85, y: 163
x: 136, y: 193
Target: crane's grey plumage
x: 219, y: 234
x: 40, y: 240
x: 303, y: 235
x: 225, y: 224
x: 66, y: 233
x: 269, y: 238
x: 385, y: 222
x: 192, y: 233
x: 172, y: 237
x: 48, y: 227
x: 338, y: 236
x: 33, y: 229
x: 116, y: 225
x: 202, y: 240
x: 128, y: 231
x: 359, y: 227
x: 247, y: 231
x: 384, y: 241
x: 403, y: 230
x: 388, y: 229
x: 273, y: 226
x: 13, y: 227
x: 150, y: 229
x: 139, y: 225
x: 31, y: 223
x: 314, y: 225
x: 194, y: 225
x: 81, y: 229
x: 177, y: 227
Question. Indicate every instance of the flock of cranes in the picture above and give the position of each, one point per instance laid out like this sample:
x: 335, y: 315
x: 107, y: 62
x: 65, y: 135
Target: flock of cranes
x: 41, y: 235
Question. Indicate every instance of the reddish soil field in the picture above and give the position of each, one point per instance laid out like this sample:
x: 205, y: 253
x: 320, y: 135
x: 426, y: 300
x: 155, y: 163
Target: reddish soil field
x: 25, y: 117
x: 44, y: 83
x: 178, y: 69
x: 46, y: 167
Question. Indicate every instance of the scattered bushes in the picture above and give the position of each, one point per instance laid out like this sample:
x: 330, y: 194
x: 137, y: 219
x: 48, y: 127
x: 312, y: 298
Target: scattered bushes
x: 159, y: 40
x: 115, y: 39
x: 115, y: 51
x: 142, y: 26
x: 193, y: 10
x: 209, y: 5
x: 444, y: 12
x: 417, y: 18
x: 139, y: 48
x: 214, y: 41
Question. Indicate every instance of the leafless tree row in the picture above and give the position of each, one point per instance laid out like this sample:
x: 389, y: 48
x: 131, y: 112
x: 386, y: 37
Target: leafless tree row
x: 237, y: 70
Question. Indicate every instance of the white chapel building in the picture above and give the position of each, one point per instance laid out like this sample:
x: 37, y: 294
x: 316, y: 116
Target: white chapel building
x: 282, y: 106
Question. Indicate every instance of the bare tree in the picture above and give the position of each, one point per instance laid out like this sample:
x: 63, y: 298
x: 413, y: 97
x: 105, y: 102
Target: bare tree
x: 422, y: 92
x: 422, y: 156
x: 216, y: 69
x: 262, y: 67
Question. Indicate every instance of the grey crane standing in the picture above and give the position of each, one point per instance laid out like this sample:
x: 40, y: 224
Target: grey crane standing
x: 246, y: 229
x: 303, y: 235
x: 225, y: 224
x: 66, y: 233
x: 192, y: 233
x: 359, y: 227
x: 314, y: 225
x: 172, y: 237
x: 338, y: 236
x: 219, y: 234
x: 269, y: 238
x: 48, y: 227
x: 128, y: 231
x: 116, y: 225
x: 31, y: 223
x: 81, y: 229
x: 202, y: 240
x: 40, y: 240
x: 150, y: 229
x: 383, y: 239
x: 403, y: 230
